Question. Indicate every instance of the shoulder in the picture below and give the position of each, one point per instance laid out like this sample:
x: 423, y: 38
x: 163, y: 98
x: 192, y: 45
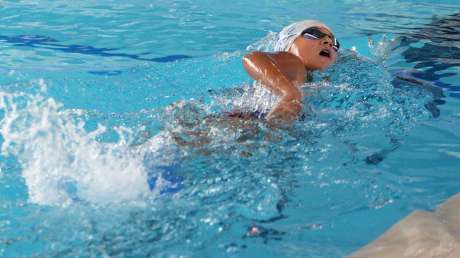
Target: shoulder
x: 287, y: 63
x: 290, y: 65
x: 286, y: 58
x: 276, y: 56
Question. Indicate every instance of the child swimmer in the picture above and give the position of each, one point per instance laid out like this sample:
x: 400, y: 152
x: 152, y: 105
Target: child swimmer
x: 303, y: 47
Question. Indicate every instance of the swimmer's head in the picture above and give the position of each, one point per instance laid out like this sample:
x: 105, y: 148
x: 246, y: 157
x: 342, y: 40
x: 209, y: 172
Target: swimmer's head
x: 312, y: 41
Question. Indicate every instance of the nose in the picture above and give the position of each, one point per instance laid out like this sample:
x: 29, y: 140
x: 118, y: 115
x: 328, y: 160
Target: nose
x: 327, y: 41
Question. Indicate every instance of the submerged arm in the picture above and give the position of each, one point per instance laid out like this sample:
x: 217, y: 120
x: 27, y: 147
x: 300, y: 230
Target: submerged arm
x: 267, y: 69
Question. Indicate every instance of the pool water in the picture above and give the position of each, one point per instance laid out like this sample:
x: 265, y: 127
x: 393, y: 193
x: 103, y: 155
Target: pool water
x: 115, y: 141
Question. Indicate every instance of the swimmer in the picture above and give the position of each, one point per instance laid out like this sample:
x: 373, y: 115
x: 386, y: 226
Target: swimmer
x: 303, y: 47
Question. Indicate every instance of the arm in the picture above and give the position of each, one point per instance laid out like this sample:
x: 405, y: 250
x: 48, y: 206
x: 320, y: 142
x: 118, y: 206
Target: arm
x: 281, y: 73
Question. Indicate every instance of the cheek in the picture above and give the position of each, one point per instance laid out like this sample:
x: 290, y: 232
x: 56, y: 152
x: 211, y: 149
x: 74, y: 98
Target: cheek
x: 309, y: 54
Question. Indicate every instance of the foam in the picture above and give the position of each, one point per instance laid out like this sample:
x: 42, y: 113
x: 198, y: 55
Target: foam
x: 62, y: 162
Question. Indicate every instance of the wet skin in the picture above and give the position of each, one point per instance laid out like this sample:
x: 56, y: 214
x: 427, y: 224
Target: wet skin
x: 284, y: 72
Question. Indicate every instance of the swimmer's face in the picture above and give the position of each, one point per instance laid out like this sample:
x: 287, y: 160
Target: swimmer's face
x: 316, y: 54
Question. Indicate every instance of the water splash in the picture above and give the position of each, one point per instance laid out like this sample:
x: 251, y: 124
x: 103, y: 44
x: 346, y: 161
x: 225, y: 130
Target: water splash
x: 246, y: 98
x: 382, y: 49
x: 61, y: 161
x: 266, y: 43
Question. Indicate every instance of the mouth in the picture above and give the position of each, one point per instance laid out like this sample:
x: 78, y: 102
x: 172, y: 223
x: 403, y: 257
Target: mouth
x: 325, y: 53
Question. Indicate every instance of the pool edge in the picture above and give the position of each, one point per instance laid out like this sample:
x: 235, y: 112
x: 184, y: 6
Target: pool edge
x: 420, y: 234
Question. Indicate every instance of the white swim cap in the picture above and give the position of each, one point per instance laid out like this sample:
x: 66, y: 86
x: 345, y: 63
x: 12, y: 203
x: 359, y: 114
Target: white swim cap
x: 289, y: 33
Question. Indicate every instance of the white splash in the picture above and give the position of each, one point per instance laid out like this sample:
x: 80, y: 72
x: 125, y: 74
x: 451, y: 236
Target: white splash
x: 383, y: 48
x: 62, y: 162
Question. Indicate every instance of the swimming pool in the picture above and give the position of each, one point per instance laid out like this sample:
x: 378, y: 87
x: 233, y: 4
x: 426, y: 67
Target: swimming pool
x: 92, y: 93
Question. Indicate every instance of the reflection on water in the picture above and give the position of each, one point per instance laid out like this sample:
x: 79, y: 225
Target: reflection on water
x: 44, y: 42
x: 433, y: 50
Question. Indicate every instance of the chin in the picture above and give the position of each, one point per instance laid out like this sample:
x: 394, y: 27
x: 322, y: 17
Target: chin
x: 313, y: 66
x: 317, y: 67
x: 323, y: 67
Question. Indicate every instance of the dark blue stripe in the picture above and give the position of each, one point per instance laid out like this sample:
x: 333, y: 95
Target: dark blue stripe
x: 38, y: 41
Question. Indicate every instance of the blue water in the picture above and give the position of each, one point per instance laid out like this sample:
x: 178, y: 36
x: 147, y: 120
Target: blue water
x: 114, y: 143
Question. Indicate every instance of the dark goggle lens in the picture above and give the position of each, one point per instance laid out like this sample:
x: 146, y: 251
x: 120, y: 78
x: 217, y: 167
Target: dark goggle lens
x: 318, y: 34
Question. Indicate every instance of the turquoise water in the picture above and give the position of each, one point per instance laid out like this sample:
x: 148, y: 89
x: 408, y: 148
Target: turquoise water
x: 95, y: 98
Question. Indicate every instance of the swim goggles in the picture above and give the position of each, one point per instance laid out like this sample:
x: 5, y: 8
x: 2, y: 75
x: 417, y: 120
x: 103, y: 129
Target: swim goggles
x: 316, y: 33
